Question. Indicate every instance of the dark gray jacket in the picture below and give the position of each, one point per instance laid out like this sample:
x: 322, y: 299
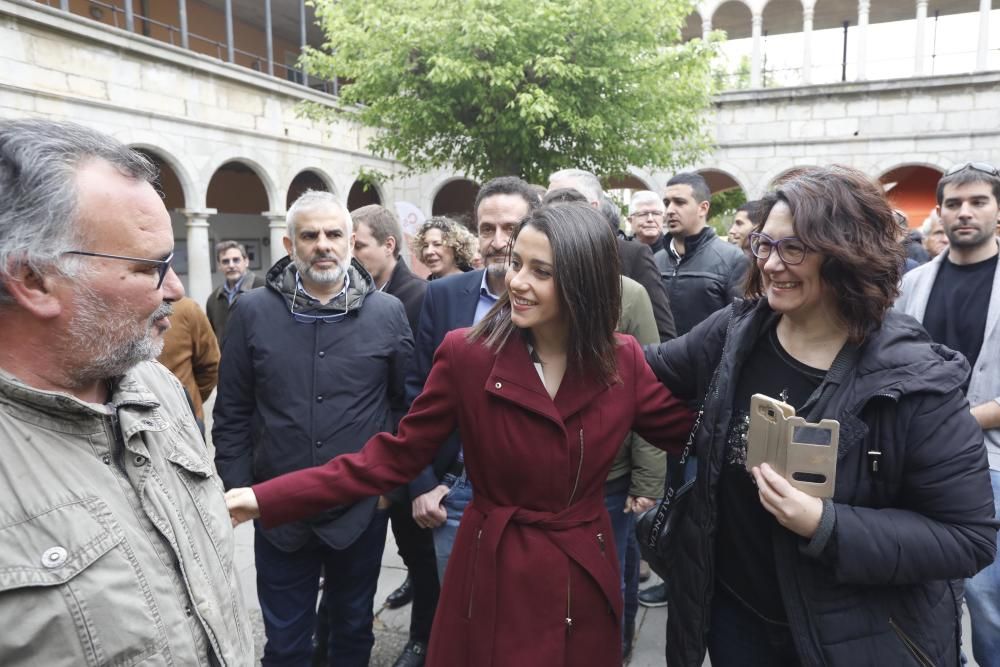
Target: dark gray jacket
x: 295, y: 394
x: 217, y: 307
x: 877, y: 585
x: 708, y: 277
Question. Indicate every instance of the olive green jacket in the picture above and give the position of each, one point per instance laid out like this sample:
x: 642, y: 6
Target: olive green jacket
x: 115, y: 543
x: 647, y: 464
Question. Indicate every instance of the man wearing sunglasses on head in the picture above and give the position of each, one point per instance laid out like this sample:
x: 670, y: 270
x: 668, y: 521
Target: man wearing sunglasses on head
x: 114, y: 542
x: 312, y: 366
x: 956, y: 296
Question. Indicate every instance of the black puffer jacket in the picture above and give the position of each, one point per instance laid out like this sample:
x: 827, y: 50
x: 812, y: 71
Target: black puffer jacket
x: 708, y: 277
x: 876, y: 589
x: 295, y: 394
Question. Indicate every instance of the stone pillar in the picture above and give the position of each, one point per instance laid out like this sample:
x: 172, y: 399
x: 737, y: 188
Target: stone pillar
x: 863, y: 7
x: 706, y: 27
x: 199, y: 254
x: 757, y: 22
x: 807, y: 29
x: 982, y: 50
x: 276, y: 226
x: 918, y: 65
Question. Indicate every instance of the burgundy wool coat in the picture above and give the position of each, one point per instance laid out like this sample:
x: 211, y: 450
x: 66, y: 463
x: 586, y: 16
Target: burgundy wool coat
x: 533, y: 575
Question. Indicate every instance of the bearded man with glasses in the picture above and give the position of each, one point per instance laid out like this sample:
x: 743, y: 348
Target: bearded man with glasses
x: 114, y: 543
x: 312, y: 366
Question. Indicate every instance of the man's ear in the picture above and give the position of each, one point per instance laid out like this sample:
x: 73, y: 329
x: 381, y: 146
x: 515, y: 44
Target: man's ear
x: 33, y: 291
x: 703, y: 208
x: 287, y: 242
x: 390, y: 245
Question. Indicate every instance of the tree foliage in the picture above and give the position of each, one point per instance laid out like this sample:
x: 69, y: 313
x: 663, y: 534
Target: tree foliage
x: 525, y: 87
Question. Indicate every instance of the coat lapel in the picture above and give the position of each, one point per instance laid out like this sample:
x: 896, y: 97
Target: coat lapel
x: 515, y: 379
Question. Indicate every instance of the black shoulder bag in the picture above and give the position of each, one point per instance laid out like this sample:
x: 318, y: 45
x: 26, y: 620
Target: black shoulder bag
x: 656, y: 528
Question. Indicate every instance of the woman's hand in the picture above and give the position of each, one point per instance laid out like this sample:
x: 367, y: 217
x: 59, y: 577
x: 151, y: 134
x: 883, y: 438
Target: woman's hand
x: 242, y: 505
x: 797, y: 511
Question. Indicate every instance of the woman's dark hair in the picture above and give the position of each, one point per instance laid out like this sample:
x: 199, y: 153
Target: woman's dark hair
x: 843, y: 216
x: 587, y: 272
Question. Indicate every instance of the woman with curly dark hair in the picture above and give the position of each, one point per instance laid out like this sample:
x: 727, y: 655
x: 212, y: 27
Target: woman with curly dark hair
x: 445, y: 247
x: 764, y: 574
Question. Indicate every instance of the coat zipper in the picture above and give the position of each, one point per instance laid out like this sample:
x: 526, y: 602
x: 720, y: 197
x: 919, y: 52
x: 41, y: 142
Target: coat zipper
x: 475, y: 562
x: 569, y: 593
x: 600, y: 540
x: 911, y: 645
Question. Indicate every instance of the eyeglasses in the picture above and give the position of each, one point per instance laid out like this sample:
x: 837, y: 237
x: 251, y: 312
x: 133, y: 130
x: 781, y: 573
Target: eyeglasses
x: 984, y: 167
x: 647, y: 214
x: 791, y: 250
x: 162, y: 265
x: 230, y: 260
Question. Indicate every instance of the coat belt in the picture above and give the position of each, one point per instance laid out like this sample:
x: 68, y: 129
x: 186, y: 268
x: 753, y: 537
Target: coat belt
x: 558, y: 527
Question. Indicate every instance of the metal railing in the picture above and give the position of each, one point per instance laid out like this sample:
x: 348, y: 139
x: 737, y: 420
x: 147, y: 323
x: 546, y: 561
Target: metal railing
x: 256, y: 61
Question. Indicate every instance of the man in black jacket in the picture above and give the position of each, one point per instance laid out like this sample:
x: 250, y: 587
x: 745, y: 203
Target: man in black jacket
x: 377, y: 242
x: 234, y: 264
x: 312, y: 366
x: 701, y: 272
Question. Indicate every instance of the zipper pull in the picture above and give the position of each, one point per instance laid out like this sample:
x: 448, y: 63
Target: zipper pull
x: 600, y: 538
x: 874, y: 456
x: 569, y: 625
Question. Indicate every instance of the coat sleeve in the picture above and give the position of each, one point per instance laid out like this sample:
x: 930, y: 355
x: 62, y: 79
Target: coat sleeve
x: 660, y: 418
x: 648, y: 464
x: 646, y: 274
x: 235, y: 405
x: 385, y: 462
x: 420, y: 367
x: 685, y: 365
x: 945, y: 528
x: 205, y: 355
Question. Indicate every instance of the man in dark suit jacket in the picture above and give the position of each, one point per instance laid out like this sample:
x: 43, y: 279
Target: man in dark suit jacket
x: 442, y: 490
x: 377, y: 243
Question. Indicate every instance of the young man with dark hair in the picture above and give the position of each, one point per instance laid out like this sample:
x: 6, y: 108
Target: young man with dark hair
x: 957, y: 298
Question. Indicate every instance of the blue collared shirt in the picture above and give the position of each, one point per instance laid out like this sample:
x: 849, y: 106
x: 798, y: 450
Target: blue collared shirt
x: 231, y: 294
x: 486, y: 300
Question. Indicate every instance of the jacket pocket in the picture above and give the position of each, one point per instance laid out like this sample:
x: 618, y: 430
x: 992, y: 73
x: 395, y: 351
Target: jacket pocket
x: 911, y: 646
x: 72, y: 593
x: 472, y: 578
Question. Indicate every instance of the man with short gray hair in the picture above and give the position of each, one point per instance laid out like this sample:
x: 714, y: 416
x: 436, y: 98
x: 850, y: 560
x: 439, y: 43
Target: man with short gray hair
x: 115, y: 543
x: 645, y: 214
x: 312, y: 366
x: 234, y: 264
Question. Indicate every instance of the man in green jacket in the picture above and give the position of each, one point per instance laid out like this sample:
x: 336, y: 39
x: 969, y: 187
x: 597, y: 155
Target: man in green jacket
x: 115, y: 542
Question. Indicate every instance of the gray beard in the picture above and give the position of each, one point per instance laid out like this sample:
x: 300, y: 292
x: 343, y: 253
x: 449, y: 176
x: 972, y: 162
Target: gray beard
x: 106, y: 347
x: 327, y: 277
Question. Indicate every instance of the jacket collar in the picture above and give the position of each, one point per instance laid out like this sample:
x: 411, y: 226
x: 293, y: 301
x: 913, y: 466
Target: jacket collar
x: 694, y: 242
x: 515, y: 379
x: 282, y: 279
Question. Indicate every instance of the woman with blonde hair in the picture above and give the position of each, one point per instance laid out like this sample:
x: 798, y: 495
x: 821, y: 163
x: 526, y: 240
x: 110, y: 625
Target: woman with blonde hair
x: 445, y: 247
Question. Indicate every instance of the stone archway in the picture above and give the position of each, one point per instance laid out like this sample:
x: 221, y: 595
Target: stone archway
x: 912, y: 190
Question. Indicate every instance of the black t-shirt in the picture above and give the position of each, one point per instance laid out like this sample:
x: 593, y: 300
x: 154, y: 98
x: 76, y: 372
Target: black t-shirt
x: 957, y: 307
x: 744, y: 554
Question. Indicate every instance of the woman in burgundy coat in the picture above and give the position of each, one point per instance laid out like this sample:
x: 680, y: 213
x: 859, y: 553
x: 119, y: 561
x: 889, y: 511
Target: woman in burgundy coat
x: 543, y: 392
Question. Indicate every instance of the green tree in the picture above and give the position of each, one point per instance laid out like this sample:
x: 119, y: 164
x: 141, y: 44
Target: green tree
x: 723, y: 207
x: 524, y: 87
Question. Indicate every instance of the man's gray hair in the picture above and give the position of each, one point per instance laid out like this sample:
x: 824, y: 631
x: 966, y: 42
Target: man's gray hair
x: 645, y: 197
x: 929, y: 223
x: 311, y: 200
x: 584, y: 181
x: 39, y: 161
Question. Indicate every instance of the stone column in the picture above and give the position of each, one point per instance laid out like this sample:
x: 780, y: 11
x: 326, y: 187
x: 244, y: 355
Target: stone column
x: 807, y: 29
x: 757, y: 22
x: 276, y: 225
x: 918, y: 66
x: 863, y: 7
x: 199, y: 254
x: 982, y: 50
x: 706, y: 27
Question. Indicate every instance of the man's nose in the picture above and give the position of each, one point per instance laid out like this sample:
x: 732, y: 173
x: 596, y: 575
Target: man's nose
x: 173, y: 288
